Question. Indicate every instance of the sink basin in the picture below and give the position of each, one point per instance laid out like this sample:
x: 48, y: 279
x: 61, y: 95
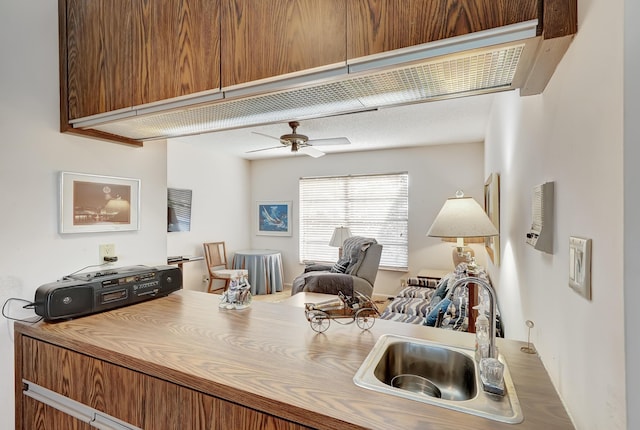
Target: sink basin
x: 436, y: 374
x: 452, y: 372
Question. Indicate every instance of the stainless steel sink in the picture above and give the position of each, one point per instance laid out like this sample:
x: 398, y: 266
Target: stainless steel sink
x: 437, y: 374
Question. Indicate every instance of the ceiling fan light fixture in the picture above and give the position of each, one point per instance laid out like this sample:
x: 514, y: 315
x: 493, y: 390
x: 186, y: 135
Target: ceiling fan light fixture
x: 301, y: 142
x: 298, y: 138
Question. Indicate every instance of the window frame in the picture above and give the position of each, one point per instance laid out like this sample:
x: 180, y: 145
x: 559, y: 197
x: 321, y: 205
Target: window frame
x: 357, y: 202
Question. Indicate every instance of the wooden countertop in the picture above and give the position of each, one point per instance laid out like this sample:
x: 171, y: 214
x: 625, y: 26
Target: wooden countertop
x: 268, y: 358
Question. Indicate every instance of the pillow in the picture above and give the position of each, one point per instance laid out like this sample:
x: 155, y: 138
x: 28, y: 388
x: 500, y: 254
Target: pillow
x: 459, y: 320
x: 339, y: 267
x: 432, y: 317
x: 440, y: 292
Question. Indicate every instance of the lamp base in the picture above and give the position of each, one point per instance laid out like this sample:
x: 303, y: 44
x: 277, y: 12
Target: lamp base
x: 462, y: 254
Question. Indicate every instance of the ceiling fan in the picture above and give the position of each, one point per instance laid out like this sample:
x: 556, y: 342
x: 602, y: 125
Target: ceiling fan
x: 301, y: 143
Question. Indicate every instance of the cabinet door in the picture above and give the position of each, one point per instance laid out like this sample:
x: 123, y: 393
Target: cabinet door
x: 234, y: 416
x: 176, y: 48
x: 98, y: 56
x: 376, y: 26
x: 172, y: 406
x: 262, y: 39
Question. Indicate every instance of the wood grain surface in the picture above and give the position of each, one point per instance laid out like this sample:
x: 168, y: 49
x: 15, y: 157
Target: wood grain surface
x: 268, y: 358
x: 176, y: 48
x: 99, y: 56
x: 375, y: 26
x: 262, y: 39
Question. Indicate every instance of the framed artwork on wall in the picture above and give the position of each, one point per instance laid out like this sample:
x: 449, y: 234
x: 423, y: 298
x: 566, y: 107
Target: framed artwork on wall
x: 92, y: 203
x: 273, y: 218
x: 492, y: 207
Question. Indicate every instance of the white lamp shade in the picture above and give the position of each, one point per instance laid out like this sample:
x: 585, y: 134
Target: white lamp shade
x: 462, y: 217
x: 339, y: 235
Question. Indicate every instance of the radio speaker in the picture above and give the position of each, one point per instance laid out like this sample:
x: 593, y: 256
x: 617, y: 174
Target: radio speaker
x: 171, y: 280
x: 68, y: 302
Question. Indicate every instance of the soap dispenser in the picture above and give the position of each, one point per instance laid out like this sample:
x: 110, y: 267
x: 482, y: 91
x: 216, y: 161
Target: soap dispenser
x: 482, y: 333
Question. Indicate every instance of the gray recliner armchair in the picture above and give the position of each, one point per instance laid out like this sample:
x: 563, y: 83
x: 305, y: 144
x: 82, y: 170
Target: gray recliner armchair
x: 355, y: 271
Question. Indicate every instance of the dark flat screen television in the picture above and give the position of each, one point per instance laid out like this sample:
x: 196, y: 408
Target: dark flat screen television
x: 178, y: 209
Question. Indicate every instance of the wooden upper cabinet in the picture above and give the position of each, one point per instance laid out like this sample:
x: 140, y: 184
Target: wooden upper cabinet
x: 98, y: 56
x: 262, y: 39
x: 176, y: 48
x: 123, y: 53
x: 375, y: 26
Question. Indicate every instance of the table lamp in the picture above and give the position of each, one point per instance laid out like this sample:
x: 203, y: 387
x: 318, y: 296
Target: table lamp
x: 462, y: 217
x: 338, y: 237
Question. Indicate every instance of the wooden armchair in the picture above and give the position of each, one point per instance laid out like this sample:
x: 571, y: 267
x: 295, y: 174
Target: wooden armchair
x: 215, y: 254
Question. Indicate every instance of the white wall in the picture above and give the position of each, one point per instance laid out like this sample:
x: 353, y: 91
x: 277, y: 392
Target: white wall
x: 32, y: 152
x: 220, y: 203
x: 435, y: 173
x: 571, y: 134
x: 632, y: 206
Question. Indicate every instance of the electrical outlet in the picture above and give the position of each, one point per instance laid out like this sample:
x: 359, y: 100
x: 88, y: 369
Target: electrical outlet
x: 205, y: 278
x: 107, y: 250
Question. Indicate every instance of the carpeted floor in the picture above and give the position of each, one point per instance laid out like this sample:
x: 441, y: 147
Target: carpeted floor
x: 275, y: 297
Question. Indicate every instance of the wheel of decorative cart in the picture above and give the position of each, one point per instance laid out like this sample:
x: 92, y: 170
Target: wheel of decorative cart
x: 365, y: 318
x: 319, y: 321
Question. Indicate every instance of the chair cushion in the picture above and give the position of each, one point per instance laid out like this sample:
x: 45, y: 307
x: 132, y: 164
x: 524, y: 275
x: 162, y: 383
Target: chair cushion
x: 401, y: 317
x: 230, y: 273
x: 417, y: 292
x: 410, y: 306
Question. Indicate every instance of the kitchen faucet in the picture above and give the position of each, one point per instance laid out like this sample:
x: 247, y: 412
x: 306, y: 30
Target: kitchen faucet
x: 493, y: 305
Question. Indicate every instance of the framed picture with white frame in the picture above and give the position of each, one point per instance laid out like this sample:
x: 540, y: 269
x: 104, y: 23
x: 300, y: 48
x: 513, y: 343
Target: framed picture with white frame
x: 492, y: 207
x: 273, y: 218
x: 94, y: 203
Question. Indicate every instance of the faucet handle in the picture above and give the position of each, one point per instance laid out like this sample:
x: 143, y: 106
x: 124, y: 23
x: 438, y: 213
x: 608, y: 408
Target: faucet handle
x: 492, y: 375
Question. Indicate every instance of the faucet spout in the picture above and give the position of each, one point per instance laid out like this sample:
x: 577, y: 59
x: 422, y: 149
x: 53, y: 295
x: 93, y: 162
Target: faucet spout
x: 493, y: 304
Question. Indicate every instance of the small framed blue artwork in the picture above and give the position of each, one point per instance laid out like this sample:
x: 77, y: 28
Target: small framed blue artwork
x: 274, y: 218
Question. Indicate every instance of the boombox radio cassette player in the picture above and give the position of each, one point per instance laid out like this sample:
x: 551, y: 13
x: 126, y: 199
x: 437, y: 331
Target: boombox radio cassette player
x: 92, y: 292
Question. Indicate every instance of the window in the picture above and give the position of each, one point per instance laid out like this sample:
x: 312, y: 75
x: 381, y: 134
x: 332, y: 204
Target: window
x: 370, y: 205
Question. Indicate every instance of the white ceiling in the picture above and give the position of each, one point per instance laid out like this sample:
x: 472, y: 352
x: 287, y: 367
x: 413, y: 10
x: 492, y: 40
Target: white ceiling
x: 459, y: 120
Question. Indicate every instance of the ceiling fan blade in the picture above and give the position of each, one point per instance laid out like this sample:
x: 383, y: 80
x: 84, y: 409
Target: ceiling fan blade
x: 266, y: 135
x: 311, y: 151
x: 264, y: 149
x: 331, y: 141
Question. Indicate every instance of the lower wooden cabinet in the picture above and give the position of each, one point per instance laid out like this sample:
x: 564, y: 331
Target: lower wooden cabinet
x: 115, y: 393
x: 38, y: 415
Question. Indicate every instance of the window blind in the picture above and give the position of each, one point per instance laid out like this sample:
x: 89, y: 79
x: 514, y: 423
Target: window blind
x: 374, y: 206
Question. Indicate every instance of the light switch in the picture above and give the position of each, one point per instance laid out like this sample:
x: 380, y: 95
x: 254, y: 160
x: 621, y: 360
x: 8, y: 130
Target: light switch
x: 580, y: 265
